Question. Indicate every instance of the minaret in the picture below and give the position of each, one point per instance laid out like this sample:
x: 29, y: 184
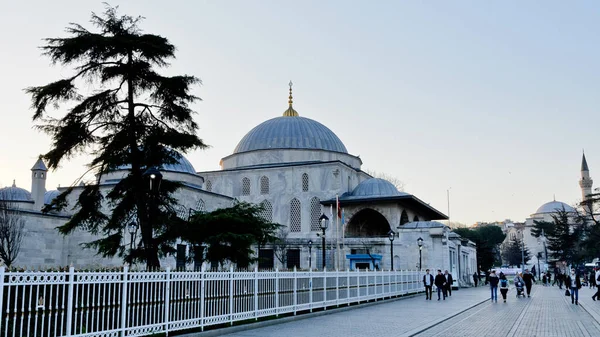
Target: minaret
x: 586, y: 184
x: 38, y: 183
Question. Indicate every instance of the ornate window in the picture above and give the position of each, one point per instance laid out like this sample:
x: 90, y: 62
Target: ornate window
x: 200, y: 206
x: 209, y: 186
x: 182, y: 212
x: 403, y: 218
x: 315, y: 214
x: 304, y: 182
x: 295, y: 216
x: 245, y: 186
x: 416, y: 218
x: 264, y: 185
x: 267, y: 211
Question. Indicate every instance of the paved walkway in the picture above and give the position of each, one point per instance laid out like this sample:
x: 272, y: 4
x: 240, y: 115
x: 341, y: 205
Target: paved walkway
x: 547, y: 313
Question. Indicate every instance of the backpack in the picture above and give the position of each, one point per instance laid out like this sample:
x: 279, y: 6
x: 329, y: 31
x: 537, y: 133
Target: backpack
x: 503, y: 283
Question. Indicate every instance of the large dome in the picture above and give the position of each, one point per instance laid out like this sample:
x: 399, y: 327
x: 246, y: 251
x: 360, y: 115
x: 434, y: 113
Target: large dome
x: 14, y: 193
x: 290, y: 132
x: 553, y: 207
x: 183, y: 165
x: 376, y: 187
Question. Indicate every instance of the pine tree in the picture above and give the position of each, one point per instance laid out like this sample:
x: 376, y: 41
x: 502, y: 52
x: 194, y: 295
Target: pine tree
x: 565, y: 238
x: 514, y: 251
x: 121, y: 111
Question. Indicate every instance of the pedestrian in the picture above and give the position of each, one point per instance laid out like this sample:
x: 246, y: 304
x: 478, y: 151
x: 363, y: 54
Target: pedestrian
x: 597, y: 279
x: 561, y: 279
x: 440, y: 283
x: 493, y: 280
x: 529, y: 279
x: 428, y: 283
x: 544, y: 280
x: 475, y: 278
x: 592, y: 279
x: 449, y: 282
x: 574, y: 283
x: 503, y: 286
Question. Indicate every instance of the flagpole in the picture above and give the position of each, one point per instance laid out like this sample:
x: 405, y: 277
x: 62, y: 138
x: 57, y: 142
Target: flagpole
x: 331, y: 231
x: 337, y: 232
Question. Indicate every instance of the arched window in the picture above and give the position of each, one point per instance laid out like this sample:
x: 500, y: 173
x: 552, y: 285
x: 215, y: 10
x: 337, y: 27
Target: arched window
x: 209, y: 186
x: 200, y: 206
x: 315, y: 214
x: 245, y: 186
x: 304, y: 182
x: 295, y: 216
x: 416, y: 218
x: 264, y: 185
x: 403, y: 218
x: 267, y: 211
x: 182, y: 212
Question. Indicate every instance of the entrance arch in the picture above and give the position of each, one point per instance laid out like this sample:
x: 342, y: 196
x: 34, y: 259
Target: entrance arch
x: 367, y: 223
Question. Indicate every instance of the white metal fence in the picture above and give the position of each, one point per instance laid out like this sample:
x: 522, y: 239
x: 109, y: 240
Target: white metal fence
x: 125, y: 303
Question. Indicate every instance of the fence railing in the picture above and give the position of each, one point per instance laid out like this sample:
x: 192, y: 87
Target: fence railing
x: 124, y: 303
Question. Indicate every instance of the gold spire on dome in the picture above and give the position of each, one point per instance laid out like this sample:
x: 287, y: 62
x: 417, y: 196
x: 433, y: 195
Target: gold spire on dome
x: 290, y: 112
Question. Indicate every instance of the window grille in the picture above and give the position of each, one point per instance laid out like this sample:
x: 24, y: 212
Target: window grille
x: 264, y: 185
x: 305, y: 182
x: 295, y: 216
x: 403, y: 218
x: 200, y: 206
x: 245, y: 186
x: 209, y: 186
x: 293, y: 258
x: 267, y: 211
x: 182, y: 212
x: 416, y: 218
x: 265, y: 259
x: 315, y: 214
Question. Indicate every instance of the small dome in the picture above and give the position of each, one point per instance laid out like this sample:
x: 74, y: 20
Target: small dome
x: 553, y: 207
x: 15, y: 193
x: 290, y: 132
x: 376, y: 187
x: 50, y: 195
x: 183, y: 165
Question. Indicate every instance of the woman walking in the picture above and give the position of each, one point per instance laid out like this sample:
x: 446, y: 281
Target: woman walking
x: 494, y: 285
x: 503, y: 286
x: 574, y: 283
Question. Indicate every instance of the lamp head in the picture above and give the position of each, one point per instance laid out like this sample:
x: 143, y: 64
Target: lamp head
x: 324, y: 220
x: 132, y: 227
x: 391, y: 236
x: 420, y: 242
x: 309, y: 243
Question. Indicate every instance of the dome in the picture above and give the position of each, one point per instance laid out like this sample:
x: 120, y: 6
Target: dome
x: 50, y: 195
x: 376, y: 187
x: 183, y: 165
x: 290, y: 132
x: 553, y: 207
x: 15, y: 193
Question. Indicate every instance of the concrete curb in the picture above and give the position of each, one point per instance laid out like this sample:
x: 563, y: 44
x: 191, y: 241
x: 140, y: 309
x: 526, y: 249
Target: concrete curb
x: 257, y: 325
x: 421, y: 329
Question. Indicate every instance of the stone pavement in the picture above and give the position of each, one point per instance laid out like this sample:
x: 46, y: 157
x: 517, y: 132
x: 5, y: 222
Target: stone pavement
x: 467, y: 313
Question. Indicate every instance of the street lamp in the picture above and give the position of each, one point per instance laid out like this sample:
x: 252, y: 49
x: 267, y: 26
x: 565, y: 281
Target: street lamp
x: 420, y: 243
x: 131, y: 228
x: 310, y: 254
x: 154, y: 177
x: 522, y: 251
x: 324, y: 220
x: 391, y: 237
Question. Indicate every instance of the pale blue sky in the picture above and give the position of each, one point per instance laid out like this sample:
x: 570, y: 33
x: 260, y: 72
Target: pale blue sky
x: 493, y: 99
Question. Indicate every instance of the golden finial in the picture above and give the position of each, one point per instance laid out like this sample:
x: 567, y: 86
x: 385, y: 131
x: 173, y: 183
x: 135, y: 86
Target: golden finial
x: 290, y: 112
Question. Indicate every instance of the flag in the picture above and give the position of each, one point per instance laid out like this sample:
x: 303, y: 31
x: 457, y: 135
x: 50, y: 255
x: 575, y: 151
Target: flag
x: 338, y: 208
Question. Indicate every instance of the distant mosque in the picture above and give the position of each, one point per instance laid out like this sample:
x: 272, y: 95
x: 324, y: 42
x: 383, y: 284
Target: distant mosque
x: 296, y: 168
x: 537, y: 246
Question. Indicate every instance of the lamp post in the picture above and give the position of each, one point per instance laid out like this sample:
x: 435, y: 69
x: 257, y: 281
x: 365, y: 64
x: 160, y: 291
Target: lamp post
x: 154, y: 178
x: 131, y: 228
x: 310, y: 254
x: 420, y: 244
x: 522, y: 251
x: 391, y: 237
x: 324, y: 220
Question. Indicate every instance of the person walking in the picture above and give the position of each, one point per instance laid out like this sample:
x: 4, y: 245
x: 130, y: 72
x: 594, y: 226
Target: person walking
x: 574, y: 283
x: 475, y: 279
x: 529, y: 279
x: 428, y: 283
x: 503, y: 287
x: 493, y: 280
x: 597, y: 282
x: 440, y: 284
x: 449, y: 282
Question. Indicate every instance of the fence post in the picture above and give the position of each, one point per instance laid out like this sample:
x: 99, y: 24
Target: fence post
x: 2, y: 269
x: 70, y: 300
x: 348, y: 286
x: 277, y: 292
x: 256, y: 292
x: 337, y: 288
x: 358, y: 284
x: 310, y: 289
x: 167, y: 299
x: 202, y: 282
x: 231, y: 295
x: 295, y: 290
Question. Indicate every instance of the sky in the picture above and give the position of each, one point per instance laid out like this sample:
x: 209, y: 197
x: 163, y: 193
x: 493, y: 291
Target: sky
x: 490, y: 103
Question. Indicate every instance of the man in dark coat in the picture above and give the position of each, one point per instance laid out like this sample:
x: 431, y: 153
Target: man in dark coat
x: 440, y: 283
x: 475, y: 278
x: 428, y: 284
x: 528, y: 279
x: 449, y: 282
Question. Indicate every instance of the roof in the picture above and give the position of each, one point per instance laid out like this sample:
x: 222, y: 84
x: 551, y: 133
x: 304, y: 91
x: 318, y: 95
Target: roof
x: 50, y: 195
x: 39, y: 165
x: 423, y: 224
x: 14, y: 193
x: 407, y: 200
x: 182, y: 165
x: 584, y: 165
x: 375, y: 187
x: 290, y: 132
x: 553, y: 207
